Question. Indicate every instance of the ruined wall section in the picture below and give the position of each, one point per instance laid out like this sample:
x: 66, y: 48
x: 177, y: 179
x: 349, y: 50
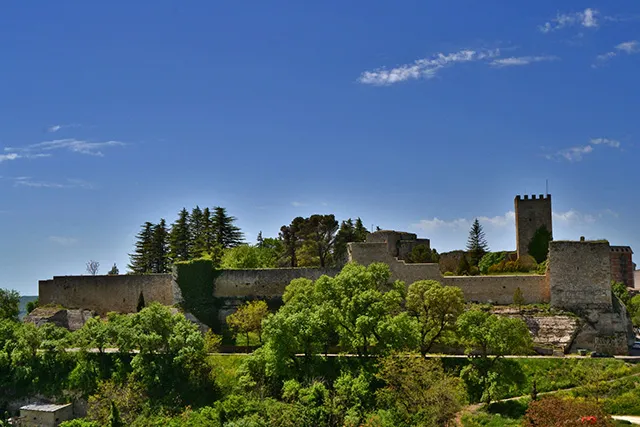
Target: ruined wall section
x: 263, y: 283
x: 500, y: 289
x: 103, y: 294
x: 531, y: 214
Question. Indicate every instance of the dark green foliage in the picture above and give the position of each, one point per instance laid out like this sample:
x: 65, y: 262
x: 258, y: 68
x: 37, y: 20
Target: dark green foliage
x: 539, y: 244
x: 348, y: 233
x: 141, y: 303
x: 141, y: 258
x: 114, y: 270
x: 180, y: 238
x: 114, y: 417
x: 319, y: 234
x: 227, y: 235
x: 422, y: 254
x: 196, y: 281
x: 291, y: 236
x: 518, y: 298
x: 477, y: 243
x: 463, y: 266
x: 159, y: 248
x: 620, y: 290
x: 9, y: 304
x: 32, y: 305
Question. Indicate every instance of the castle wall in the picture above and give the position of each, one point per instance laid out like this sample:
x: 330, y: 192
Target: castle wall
x: 622, y: 267
x: 500, y: 289
x: 580, y: 275
x: 103, y: 294
x: 263, y: 283
x: 531, y: 214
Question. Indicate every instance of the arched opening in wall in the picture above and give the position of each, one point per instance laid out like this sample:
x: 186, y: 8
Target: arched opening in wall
x: 141, y: 303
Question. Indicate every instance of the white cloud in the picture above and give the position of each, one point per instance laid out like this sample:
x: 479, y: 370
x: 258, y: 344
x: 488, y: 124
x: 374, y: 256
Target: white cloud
x: 605, y: 141
x: 71, y: 144
x: 56, y: 128
x: 25, y: 181
x: 573, y: 217
x: 63, y: 241
x: 631, y: 47
x: 464, y: 223
x: 426, y: 68
x: 10, y: 156
x: 521, y: 60
x: 577, y: 153
x: 587, y: 19
x: 298, y: 204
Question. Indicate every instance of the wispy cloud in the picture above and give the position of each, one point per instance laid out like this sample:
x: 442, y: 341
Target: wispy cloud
x: 631, y: 47
x: 464, y: 223
x: 298, y: 204
x: 588, y: 18
x: 70, y: 144
x: 56, y: 128
x: 25, y: 181
x: 425, y: 68
x: 577, y: 153
x: 10, y: 156
x: 63, y: 241
x: 521, y: 60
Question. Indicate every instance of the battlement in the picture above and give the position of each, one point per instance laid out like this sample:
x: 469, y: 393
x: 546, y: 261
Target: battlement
x: 533, y: 197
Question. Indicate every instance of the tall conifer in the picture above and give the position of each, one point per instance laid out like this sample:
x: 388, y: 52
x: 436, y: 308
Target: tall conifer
x: 180, y: 238
x: 140, y: 260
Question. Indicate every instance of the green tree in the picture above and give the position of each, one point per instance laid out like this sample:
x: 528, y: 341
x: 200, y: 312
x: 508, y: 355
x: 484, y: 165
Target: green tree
x: 198, y: 236
x: 418, y: 391
x: 463, y: 268
x: 227, y: 235
x: 518, y: 298
x: 248, y: 318
x: 345, y: 235
x: 140, y: 260
x: 361, y: 231
x: 489, y: 259
x: 620, y: 290
x: 291, y: 236
x: 476, y: 243
x: 114, y: 416
x: 180, y: 238
x: 114, y: 270
x: 260, y: 240
x: 539, y: 244
x: 32, y: 305
x: 247, y: 256
x: 422, y: 254
x: 436, y: 309
x: 319, y: 231
x: 9, y: 304
x: 487, y: 339
x: 160, y: 248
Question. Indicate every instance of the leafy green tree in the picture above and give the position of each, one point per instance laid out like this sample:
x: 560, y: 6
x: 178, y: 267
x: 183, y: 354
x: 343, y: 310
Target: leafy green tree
x: 227, y: 235
x: 114, y: 270
x: 141, y: 261
x: 180, y: 238
x: 319, y: 231
x: 260, y: 240
x: 418, y: 391
x: 360, y: 231
x: 489, y: 259
x: 9, y: 304
x: 518, y: 297
x: 476, y: 243
x: 620, y: 290
x: 463, y: 268
x: 345, y: 235
x: 539, y: 244
x: 246, y: 256
x: 160, y: 248
x: 487, y: 339
x: 32, y: 305
x: 248, y: 318
x: 291, y: 236
x: 436, y: 309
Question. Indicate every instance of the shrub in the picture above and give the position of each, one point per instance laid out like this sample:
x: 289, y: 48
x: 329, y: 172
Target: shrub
x: 555, y: 411
x: 518, y: 298
x: 448, y: 273
x: 490, y: 259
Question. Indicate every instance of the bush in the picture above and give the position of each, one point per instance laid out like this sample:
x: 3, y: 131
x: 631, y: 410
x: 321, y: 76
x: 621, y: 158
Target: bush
x: 523, y: 264
x: 489, y: 259
x: 448, y: 273
x: 555, y: 411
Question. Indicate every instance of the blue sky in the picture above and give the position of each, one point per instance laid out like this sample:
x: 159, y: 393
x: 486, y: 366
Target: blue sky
x: 414, y: 115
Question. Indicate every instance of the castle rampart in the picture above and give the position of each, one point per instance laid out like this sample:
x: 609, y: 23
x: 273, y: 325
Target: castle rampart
x: 531, y: 214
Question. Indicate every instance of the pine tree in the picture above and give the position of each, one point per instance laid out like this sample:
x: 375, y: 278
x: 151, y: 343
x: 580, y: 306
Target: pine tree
x: 260, y: 240
x: 226, y: 234
x: 114, y: 270
x: 291, y: 236
x: 160, y: 248
x: 360, y: 231
x: 179, y: 238
x: 477, y: 243
x: 141, y: 262
x: 198, y: 237
x: 209, y: 232
x: 345, y: 235
x: 319, y: 232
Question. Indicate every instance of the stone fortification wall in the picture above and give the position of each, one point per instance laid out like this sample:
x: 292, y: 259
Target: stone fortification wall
x: 580, y: 275
x: 531, y: 214
x: 103, y: 294
x: 500, y: 289
x: 399, y: 244
x: 263, y: 283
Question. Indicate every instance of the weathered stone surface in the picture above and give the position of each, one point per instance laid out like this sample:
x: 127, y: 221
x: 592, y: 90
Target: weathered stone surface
x: 72, y: 319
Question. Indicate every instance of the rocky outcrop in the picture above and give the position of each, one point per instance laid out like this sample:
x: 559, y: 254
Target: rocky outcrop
x: 62, y: 317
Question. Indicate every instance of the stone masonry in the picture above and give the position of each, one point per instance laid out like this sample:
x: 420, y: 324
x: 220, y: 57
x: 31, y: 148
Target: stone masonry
x: 531, y: 214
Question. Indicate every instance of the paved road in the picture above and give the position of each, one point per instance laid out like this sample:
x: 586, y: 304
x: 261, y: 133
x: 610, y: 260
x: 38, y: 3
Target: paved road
x: 631, y: 419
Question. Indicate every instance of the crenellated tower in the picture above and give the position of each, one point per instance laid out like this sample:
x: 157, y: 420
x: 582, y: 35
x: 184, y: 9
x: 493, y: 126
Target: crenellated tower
x: 531, y: 214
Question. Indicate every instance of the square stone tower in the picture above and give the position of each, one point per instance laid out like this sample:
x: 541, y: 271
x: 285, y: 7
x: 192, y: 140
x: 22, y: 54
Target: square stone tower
x: 531, y: 214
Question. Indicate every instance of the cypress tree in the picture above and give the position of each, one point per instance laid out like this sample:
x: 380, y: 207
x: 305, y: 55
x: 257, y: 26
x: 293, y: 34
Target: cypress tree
x: 179, y: 238
x: 141, y: 262
x: 197, y: 231
x: 226, y: 234
x: 209, y: 233
x: 477, y: 243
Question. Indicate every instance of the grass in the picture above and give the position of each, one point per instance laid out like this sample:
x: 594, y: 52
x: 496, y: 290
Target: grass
x: 225, y: 370
x: 508, y: 414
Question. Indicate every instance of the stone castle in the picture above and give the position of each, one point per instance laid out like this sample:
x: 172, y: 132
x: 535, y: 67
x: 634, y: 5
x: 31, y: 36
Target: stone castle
x: 578, y: 279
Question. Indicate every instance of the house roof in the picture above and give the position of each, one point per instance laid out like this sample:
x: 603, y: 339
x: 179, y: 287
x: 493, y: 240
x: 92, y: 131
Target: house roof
x: 44, y: 407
